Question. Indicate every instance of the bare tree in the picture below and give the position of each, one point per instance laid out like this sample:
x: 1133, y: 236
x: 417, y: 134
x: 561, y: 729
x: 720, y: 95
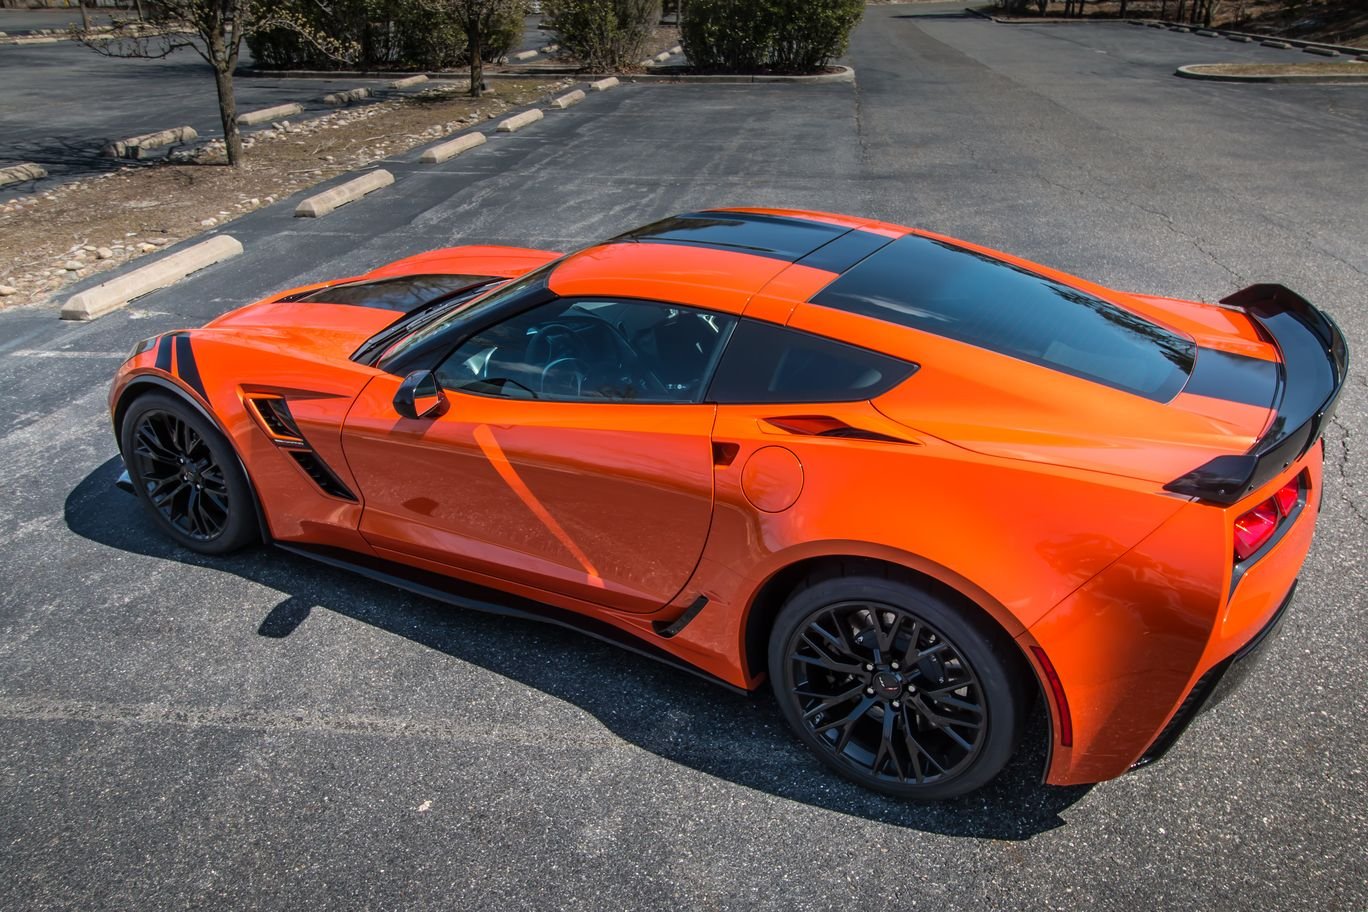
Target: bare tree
x: 479, y: 18
x: 214, y: 29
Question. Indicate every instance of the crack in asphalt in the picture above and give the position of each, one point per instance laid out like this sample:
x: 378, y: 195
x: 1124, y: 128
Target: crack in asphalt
x: 1341, y: 464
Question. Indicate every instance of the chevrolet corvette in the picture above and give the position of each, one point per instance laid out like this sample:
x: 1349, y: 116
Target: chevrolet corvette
x: 915, y: 484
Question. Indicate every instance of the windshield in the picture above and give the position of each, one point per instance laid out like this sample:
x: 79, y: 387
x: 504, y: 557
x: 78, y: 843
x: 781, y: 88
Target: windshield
x: 468, y: 310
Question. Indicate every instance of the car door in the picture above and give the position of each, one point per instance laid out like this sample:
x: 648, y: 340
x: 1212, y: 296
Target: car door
x: 573, y: 453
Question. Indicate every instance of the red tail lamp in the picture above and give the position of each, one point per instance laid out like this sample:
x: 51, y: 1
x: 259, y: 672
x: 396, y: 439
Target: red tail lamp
x: 1254, y: 528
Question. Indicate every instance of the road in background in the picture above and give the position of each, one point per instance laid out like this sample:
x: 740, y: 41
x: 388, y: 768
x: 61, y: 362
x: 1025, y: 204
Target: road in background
x: 260, y: 732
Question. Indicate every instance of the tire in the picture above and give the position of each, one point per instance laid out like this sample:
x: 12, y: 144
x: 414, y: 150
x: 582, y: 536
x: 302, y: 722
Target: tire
x: 925, y: 725
x: 187, y: 475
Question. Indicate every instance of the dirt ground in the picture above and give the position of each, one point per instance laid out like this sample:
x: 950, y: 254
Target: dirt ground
x: 1327, y: 70
x: 1331, y: 21
x: 88, y: 226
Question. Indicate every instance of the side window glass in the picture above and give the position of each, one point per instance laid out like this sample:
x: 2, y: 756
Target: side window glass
x: 768, y: 363
x: 594, y: 351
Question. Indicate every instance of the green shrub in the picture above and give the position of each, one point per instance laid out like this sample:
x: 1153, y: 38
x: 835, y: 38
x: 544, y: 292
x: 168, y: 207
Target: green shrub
x: 383, y: 34
x: 786, y: 36
x: 603, y: 34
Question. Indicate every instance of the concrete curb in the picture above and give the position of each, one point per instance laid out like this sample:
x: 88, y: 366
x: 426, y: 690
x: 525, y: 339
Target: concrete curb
x: 525, y: 55
x: 347, y: 97
x: 604, y: 85
x: 136, y: 146
x: 1189, y: 72
x: 452, y: 148
x: 108, y: 296
x: 409, y: 81
x: 24, y: 171
x: 276, y: 112
x: 658, y: 74
x: 320, y: 204
x: 518, y: 121
x: 569, y: 99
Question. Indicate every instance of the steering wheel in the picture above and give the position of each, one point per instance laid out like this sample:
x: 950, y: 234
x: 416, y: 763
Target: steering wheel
x: 564, y: 377
x: 629, y: 371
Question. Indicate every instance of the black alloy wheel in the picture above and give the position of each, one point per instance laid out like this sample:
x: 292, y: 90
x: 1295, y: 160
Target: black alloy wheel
x: 185, y: 472
x: 894, y: 688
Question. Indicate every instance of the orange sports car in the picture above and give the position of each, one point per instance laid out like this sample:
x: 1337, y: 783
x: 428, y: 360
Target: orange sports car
x: 916, y: 483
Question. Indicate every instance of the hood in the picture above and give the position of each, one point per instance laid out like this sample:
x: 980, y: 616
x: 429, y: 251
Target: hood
x: 323, y: 331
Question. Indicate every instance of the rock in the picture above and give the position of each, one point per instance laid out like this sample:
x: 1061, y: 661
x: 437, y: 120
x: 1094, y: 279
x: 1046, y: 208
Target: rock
x: 74, y: 265
x: 146, y: 247
x: 103, y: 253
x: 209, y: 222
x: 7, y: 290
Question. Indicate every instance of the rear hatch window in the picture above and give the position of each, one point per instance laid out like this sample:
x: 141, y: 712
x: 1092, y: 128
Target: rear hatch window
x: 960, y: 294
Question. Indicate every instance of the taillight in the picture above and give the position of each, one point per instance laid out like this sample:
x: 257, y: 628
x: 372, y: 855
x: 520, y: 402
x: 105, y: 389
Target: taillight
x: 1286, y: 498
x: 1254, y: 528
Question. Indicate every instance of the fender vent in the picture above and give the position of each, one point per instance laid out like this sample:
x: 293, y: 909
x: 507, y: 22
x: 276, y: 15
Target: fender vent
x: 322, y: 476
x: 272, y: 413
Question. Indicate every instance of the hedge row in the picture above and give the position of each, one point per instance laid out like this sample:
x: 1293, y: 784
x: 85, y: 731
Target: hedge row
x: 781, y: 36
x: 604, y: 35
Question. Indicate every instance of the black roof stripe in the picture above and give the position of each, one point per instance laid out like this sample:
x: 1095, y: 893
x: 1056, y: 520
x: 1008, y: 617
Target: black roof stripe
x: 845, y: 251
x: 775, y: 236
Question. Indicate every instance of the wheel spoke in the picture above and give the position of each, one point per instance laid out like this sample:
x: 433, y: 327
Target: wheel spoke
x: 910, y: 653
x: 162, y: 496
x: 830, y: 701
x: 846, y: 721
x: 821, y: 661
x: 887, y: 637
x: 887, y: 751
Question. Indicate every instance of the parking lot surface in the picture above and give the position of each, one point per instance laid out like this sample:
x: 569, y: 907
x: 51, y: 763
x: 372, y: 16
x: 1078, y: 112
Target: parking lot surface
x: 62, y: 102
x: 260, y: 732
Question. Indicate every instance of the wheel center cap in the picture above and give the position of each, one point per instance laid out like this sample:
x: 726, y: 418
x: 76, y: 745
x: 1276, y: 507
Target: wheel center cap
x: 888, y: 683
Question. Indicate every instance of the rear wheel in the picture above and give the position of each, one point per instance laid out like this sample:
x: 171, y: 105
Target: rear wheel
x: 895, y: 687
x: 187, y: 475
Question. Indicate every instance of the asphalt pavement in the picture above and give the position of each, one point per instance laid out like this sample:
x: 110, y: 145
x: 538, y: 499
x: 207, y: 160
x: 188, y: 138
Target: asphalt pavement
x: 259, y: 732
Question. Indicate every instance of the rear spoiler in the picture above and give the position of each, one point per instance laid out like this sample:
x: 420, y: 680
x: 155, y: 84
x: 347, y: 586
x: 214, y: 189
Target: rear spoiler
x: 1315, y: 361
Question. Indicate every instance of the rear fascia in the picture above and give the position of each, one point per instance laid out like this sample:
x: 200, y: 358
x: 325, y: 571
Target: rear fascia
x: 1133, y: 645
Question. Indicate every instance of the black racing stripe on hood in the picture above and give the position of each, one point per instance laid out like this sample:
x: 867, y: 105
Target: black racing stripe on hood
x: 1236, y: 378
x: 163, y: 362
x: 186, y: 368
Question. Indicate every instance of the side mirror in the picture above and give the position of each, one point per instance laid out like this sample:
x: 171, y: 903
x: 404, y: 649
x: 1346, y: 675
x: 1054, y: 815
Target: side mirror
x: 420, y: 396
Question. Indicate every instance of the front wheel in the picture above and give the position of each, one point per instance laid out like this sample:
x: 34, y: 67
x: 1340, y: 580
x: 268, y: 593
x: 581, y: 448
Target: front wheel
x: 897, y: 688
x: 187, y: 475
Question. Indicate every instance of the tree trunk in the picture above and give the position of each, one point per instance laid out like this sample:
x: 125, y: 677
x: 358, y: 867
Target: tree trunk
x: 232, y: 137
x: 476, y: 61
x: 1123, y: 9
x: 138, y: 5
x: 85, y: 20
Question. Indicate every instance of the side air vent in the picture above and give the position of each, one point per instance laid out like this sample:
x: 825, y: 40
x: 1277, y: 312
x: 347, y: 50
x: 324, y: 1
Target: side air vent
x: 826, y: 426
x: 322, y: 476
x: 273, y: 414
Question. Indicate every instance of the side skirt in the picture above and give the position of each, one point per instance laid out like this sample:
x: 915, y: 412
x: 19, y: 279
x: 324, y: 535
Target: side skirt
x: 479, y: 598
